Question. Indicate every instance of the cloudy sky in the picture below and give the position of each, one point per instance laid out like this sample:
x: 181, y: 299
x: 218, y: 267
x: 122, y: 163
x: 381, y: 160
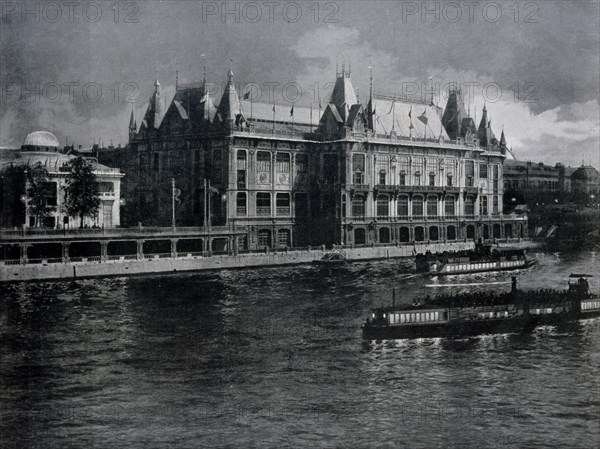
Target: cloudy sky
x: 536, y: 64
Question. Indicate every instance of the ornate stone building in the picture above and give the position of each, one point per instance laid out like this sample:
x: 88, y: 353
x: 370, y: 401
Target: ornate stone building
x: 395, y: 170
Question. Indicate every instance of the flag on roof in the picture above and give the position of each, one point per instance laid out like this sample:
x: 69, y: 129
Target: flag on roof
x: 374, y: 110
x: 391, y: 107
x: 247, y: 95
x: 423, y: 117
x: 292, y: 111
x: 273, y: 108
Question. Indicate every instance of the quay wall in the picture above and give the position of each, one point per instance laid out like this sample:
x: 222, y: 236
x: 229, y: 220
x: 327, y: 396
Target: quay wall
x: 76, y: 270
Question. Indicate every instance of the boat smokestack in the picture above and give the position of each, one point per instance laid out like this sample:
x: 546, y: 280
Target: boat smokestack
x: 513, y: 288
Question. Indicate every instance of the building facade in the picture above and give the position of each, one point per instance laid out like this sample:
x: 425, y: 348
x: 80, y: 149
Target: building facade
x: 42, y: 147
x: 396, y: 170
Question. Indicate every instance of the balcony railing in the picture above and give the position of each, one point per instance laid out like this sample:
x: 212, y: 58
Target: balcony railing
x: 241, y: 211
x: 283, y: 210
x: 263, y: 211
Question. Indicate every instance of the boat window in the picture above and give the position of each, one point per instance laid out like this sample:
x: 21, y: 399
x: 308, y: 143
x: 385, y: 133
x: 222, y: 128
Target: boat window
x: 402, y: 318
x: 548, y: 310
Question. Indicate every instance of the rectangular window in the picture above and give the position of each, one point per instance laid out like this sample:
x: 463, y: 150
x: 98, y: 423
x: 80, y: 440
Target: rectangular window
x: 282, y: 161
x: 402, y: 206
x: 432, y: 179
x: 470, y: 173
x: 263, y: 161
x: 483, y: 171
x: 449, y: 180
x: 282, y: 203
x: 402, y: 179
x: 417, y: 206
x: 483, y: 205
x: 469, y: 206
x: 383, y: 206
x: 495, y: 205
x: 382, y: 178
x: 432, y: 206
x: 358, y: 206
x: 301, y: 163
x: 241, y: 160
x: 241, y: 209
x: 450, y: 206
x: 241, y: 179
x: 263, y: 204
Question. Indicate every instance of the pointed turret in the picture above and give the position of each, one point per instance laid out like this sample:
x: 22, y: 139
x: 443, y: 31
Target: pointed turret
x: 343, y: 96
x: 229, y: 106
x: 482, y: 132
x: 132, y: 125
x: 502, y: 139
x: 454, y: 115
x: 156, y: 109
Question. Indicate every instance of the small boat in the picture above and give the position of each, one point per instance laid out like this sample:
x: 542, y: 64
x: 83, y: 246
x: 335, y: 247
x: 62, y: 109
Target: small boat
x: 482, y: 258
x: 332, y: 258
x: 456, y: 316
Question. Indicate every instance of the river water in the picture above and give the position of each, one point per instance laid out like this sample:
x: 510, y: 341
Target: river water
x: 275, y: 358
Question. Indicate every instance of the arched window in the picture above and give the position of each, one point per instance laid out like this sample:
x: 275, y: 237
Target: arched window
x: 419, y: 234
x: 263, y: 161
x: 451, y: 232
x: 384, y: 235
x: 404, y: 234
x: 434, y: 233
x: 359, y: 236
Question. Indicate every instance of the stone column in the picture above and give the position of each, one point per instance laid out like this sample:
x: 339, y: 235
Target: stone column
x: 174, y: 248
x: 140, y: 249
x: 103, y: 251
x: 23, y: 252
x: 65, y: 252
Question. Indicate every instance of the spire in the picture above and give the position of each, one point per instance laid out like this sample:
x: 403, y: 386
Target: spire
x: 203, y: 56
x: 455, y: 118
x: 132, y: 119
x: 230, y: 104
x: 502, y: 138
x: 156, y: 108
x: 343, y: 95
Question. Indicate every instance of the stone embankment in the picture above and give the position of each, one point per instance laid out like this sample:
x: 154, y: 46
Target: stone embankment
x: 155, y: 265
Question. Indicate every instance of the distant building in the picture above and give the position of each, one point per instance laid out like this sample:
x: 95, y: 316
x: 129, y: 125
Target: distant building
x: 585, y: 182
x: 540, y: 184
x: 43, y: 147
x: 393, y: 170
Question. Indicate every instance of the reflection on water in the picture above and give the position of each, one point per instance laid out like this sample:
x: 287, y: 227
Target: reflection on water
x: 275, y: 358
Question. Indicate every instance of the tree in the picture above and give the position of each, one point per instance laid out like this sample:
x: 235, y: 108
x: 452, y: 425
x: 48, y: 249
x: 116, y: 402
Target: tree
x: 37, y: 184
x: 12, y: 189
x: 81, y: 190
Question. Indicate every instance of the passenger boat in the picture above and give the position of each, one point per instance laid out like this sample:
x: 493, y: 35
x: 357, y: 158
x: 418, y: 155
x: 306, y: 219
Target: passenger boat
x: 456, y: 316
x: 483, y: 258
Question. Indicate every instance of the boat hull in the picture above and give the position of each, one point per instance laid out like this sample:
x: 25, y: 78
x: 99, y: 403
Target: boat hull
x: 469, y: 328
x: 473, y: 268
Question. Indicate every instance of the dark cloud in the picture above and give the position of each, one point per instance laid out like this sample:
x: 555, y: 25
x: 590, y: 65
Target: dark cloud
x: 554, y: 45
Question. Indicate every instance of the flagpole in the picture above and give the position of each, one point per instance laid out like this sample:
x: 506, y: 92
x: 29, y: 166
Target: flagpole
x: 173, y: 202
x: 208, y: 207
x: 311, y: 122
x: 273, y: 118
x: 205, y: 206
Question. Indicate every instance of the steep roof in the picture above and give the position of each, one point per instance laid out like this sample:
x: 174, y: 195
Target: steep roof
x: 264, y: 112
x: 455, y: 115
x: 386, y: 109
